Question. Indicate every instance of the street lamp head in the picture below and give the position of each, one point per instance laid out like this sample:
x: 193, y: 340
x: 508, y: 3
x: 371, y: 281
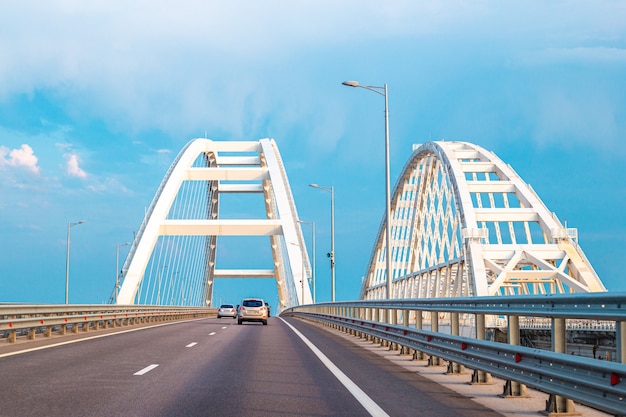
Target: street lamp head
x: 81, y: 222
x: 351, y: 83
x: 314, y: 185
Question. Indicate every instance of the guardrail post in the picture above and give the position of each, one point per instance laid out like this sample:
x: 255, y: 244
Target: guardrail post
x: 368, y: 317
x: 418, y: 355
x: 558, y: 403
x: 12, y: 337
x: 434, y: 326
x: 393, y: 320
x: 620, y: 341
x: 481, y: 377
x: 377, y: 317
x: 453, y: 367
x: 405, y: 350
x: 387, y: 319
x: 351, y: 312
x: 513, y: 388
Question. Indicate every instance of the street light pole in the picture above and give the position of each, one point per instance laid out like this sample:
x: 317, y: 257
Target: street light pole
x: 331, y: 255
x: 383, y: 92
x: 302, y: 277
x: 313, y: 246
x: 117, y: 271
x: 67, y: 261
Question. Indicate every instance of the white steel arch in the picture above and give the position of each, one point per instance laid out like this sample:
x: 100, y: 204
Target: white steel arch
x: 463, y: 223
x: 219, y: 167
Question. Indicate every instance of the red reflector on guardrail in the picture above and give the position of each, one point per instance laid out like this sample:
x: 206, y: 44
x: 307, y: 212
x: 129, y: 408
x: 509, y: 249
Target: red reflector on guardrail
x: 41, y: 321
x: 615, y: 379
x: 429, y: 338
x: 404, y: 332
x: 463, y: 346
x: 518, y: 357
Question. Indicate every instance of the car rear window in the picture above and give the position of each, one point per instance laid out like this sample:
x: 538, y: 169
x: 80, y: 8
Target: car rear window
x: 227, y: 306
x: 252, y: 303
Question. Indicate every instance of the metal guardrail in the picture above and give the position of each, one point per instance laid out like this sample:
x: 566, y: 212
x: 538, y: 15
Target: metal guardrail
x: 28, y: 320
x: 596, y: 383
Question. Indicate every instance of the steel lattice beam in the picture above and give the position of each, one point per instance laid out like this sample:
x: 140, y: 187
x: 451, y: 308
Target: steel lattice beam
x: 464, y: 223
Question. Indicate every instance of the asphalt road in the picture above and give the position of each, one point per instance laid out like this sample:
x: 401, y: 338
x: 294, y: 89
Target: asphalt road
x: 213, y: 367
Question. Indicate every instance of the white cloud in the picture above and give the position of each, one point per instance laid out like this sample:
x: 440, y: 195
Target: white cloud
x: 109, y: 185
x: 24, y: 157
x: 72, y: 167
x: 575, y: 55
x: 130, y: 61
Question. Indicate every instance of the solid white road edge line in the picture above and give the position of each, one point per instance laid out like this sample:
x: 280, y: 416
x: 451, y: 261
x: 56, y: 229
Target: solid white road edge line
x: 369, y: 404
x: 146, y: 369
x: 19, y: 352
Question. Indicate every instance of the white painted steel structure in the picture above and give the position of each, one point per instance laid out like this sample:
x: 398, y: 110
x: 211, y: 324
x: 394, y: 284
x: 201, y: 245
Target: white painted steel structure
x: 463, y: 223
x: 174, y: 257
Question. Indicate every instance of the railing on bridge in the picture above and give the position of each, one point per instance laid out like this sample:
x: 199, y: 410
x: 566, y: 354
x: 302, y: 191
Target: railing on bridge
x: 29, y: 320
x: 400, y: 324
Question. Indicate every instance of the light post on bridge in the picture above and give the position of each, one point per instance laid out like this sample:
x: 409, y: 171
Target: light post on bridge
x: 313, y: 247
x: 301, y: 269
x: 382, y: 90
x: 67, y: 261
x: 331, y: 255
x: 117, y: 271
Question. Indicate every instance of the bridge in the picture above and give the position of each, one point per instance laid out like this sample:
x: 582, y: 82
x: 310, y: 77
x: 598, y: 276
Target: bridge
x: 470, y: 244
x: 463, y: 223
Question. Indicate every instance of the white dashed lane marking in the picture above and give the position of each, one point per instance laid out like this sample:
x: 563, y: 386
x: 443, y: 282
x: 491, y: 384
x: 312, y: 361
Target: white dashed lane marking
x: 212, y: 333
x: 146, y: 369
x: 192, y: 344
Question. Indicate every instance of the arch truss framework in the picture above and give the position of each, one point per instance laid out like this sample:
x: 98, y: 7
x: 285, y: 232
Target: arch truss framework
x: 463, y: 223
x: 174, y: 257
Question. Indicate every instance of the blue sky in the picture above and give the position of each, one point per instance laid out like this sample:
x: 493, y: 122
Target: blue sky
x: 97, y: 98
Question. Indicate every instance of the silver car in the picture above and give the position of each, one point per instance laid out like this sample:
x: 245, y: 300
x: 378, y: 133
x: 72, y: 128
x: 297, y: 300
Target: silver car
x: 252, y: 309
x: 226, y: 310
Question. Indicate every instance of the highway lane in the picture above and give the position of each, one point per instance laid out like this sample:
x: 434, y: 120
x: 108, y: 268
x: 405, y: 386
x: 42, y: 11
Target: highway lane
x: 213, y: 367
